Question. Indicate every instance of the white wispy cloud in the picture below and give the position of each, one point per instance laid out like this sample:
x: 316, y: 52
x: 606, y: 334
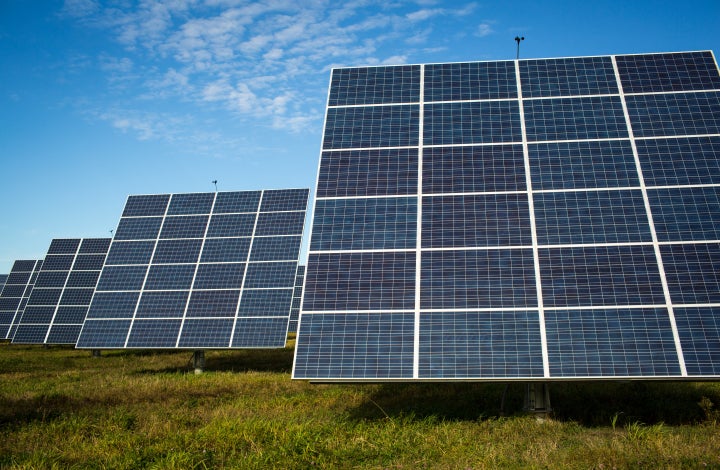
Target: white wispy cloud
x: 262, y: 60
x: 485, y: 29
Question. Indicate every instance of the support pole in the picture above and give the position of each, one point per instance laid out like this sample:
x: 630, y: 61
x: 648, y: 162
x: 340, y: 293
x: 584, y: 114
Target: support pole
x: 199, y: 361
x: 537, y: 400
x: 95, y: 353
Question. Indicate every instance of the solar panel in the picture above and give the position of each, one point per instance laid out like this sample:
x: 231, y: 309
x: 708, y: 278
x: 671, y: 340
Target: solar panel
x: 198, y: 271
x: 545, y: 219
x: 3, y: 278
x: 60, y: 298
x: 297, y: 298
x: 15, y: 294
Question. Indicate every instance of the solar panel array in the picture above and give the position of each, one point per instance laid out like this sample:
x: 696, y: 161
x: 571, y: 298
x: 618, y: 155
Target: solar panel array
x: 530, y: 220
x: 15, y: 294
x: 297, y: 298
x: 199, y: 270
x: 61, y: 295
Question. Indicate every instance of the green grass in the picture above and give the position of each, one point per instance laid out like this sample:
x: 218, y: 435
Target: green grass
x: 61, y: 408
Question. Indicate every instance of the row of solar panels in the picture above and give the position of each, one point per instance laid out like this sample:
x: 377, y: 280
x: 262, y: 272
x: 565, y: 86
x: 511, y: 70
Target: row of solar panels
x: 199, y: 270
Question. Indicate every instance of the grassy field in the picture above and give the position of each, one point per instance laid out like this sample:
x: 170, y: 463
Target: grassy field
x: 61, y: 408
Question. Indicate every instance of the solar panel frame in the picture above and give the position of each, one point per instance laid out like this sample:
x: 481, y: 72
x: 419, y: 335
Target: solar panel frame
x: 594, y: 241
x: 61, y: 295
x: 192, y: 277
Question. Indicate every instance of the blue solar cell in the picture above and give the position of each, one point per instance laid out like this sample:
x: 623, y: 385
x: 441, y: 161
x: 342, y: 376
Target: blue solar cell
x: 229, y: 250
x: 270, y: 275
x: 219, y: 276
x: 177, y: 251
x: 216, y: 303
x: 462, y: 279
x: 162, y: 304
x: 231, y: 225
x: 170, y: 276
x: 470, y: 81
x: 475, y: 220
x: 591, y: 217
x: 58, y: 262
x: 30, y: 334
x: 674, y: 114
x: 355, y: 346
x: 680, y: 161
x: 103, y: 333
x: 567, y: 77
x: 575, y: 118
x: 280, y: 223
x: 611, y: 343
x: 94, y: 245
x: 63, y: 246
x: 265, y: 302
x: 686, y: 214
x: 188, y: 226
x: 193, y: 203
x: 76, y: 296
x: 45, y: 296
x: 260, y: 332
x: 375, y: 85
x: 70, y: 315
x: 699, y: 332
x: 473, y: 169
x: 64, y: 334
x: 275, y: 248
x: 236, y: 202
x: 206, y: 333
x: 154, y: 333
x: 692, y: 274
x: 130, y: 252
x: 121, y: 278
x: 38, y: 314
x: 581, y: 165
x: 360, y: 281
x: 668, y: 72
x: 456, y: 345
x: 364, y: 224
x: 51, y: 279
x: 368, y: 173
x: 600, y: 276
x: 471, y: 123
x: 141, y: 228
x: 280, y: 200
x: 113, y: 305
x: 141, y: 206
x: 89, y: 262
x: 82, y: 279
x: 371, y: 127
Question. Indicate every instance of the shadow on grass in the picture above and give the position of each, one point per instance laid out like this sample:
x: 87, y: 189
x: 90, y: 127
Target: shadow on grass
x: 237, y: 360
x: 587, y: 403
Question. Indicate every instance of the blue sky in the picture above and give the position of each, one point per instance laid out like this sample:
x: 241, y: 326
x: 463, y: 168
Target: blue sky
x: 99, y: 100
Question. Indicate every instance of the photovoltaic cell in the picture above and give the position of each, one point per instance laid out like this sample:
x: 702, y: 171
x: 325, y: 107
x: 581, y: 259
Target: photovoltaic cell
x: 549, y: 219
x: 15, y: 294
x: 60, y: 298
x: 191, y: 270
x: 296, y: 298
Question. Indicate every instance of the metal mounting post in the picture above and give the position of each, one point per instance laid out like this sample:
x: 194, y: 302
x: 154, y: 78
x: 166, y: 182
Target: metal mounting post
x: 198, y: 361
x: 95, y: 353
x: 537, y: 399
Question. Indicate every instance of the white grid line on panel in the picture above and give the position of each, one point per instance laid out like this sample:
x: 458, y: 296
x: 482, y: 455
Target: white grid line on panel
x: 247, y: 262
x: 197, y: 267
x: 653, y: 233
x: 533, y: 226
x: 418, y: 234
x: 147, y: 272
x: 57, y: 305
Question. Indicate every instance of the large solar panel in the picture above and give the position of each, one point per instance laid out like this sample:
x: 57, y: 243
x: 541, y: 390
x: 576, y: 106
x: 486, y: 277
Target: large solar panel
x: 15, y: 294
x: 517, y: 220
x: 60, y: 298
x: 199, y: 271
x: 3, y: 278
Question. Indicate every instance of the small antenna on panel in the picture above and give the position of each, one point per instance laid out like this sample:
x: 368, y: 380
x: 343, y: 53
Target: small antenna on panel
x: 517, y: 40
x: 215, y: 183
x: 111, y: 232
